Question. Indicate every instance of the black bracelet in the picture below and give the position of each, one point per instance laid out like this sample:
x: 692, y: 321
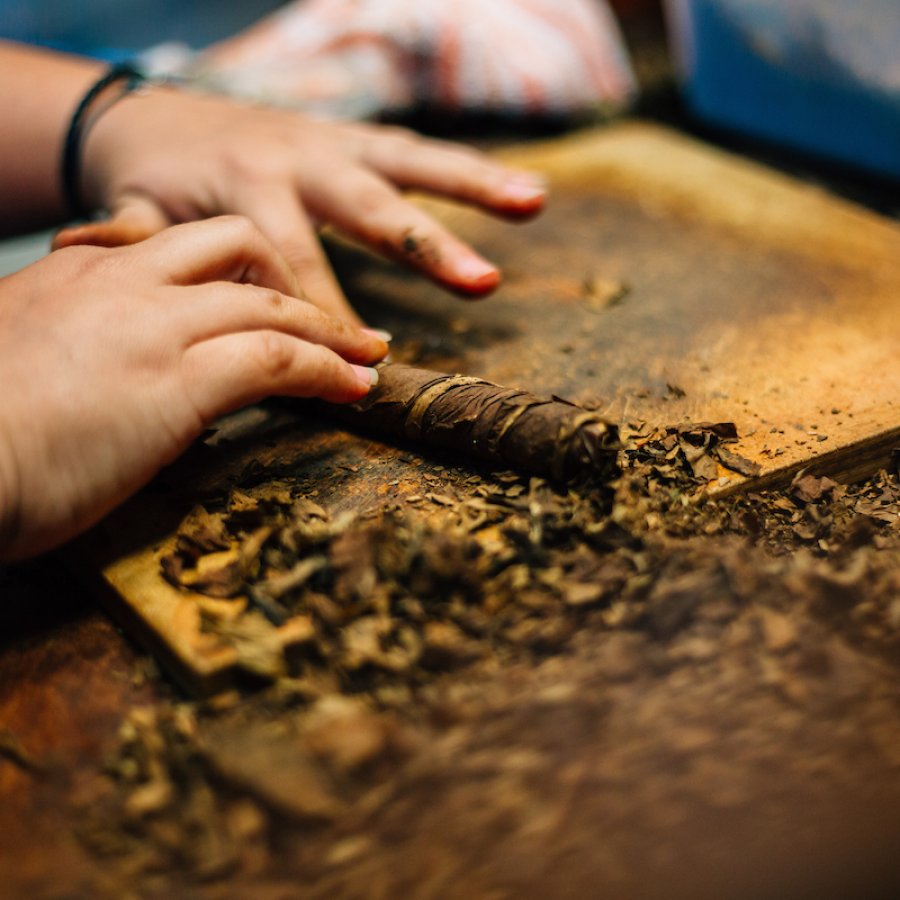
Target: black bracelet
x: 132, y: 78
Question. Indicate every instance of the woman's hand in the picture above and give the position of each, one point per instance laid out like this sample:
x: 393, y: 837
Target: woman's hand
x: 113, y: 360
x: 166, y: 156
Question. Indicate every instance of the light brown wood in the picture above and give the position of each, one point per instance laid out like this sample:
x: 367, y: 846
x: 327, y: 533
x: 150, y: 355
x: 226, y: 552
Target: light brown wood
x: 750, y: 298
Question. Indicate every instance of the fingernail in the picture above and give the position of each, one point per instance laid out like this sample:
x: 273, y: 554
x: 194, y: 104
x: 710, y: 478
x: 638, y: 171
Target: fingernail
x: 474, y: 269
x: 524, y: 191
x: 379, y: 333
x: 366, y: 375
x: 520, y: 176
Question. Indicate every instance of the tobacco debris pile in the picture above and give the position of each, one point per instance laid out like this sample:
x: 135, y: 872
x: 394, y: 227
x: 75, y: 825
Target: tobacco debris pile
x: 392, y: 597
x: 396, y: 597
x: 628, y: 665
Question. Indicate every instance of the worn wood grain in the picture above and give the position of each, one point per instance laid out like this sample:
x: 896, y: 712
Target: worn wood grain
x: 66, y: 679
x: 667, y: 281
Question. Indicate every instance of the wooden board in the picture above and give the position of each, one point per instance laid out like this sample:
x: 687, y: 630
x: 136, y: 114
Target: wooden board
x: 750, y: 298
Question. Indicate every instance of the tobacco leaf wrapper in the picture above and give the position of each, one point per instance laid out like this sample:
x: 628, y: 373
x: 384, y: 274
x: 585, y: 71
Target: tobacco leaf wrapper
x: 548, y: 437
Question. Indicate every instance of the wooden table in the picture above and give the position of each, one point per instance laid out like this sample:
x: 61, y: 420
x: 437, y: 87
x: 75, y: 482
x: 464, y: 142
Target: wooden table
x: 746, y: 257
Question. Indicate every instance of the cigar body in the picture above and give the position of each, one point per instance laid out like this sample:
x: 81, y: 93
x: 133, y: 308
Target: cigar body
x: 547, y: 437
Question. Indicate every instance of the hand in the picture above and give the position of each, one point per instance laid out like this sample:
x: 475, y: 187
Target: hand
x: 114, y: 360
x: 166, y: 156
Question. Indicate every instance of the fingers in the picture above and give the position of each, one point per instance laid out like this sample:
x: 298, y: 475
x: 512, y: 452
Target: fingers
x: 278, y: 212
x: 228, y: 372
x: 452, y: 170
x: 227, y: 248
x: 220, y: 309
x: 367, y: 208
x: 135, y: 219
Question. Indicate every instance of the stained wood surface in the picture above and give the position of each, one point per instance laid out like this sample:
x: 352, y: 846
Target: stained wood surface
x: 747, y: 297
x: 67, y: 679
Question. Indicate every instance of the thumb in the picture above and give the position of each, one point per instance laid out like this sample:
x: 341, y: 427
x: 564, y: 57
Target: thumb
x: 134, y: 219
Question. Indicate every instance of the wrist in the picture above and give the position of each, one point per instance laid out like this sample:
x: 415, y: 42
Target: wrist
x: 119, y: 137
x: 113, y: 85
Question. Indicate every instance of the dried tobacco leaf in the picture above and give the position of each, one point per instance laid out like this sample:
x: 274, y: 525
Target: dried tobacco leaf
x: 477, y: 418
x: 693, y: 448
x: 599, y: 294
x: 348, y: 736
x: 223, y: 573
x: 375, y: 641
x: 266, y: 594
x: 276, y: 770
x: 704, y: 467
x: 723, y: 431
x: 581, y: 593
x: 446, y: 646
x: 257, y: 642
x: 738, y: 463
x: 219, y: 574
x: 201, y: 533
x: 810, y: 489
x: 879, y: 510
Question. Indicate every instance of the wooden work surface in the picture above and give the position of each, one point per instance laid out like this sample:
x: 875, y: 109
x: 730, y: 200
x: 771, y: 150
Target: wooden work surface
x: 666, y: 282
x: 766, y: 302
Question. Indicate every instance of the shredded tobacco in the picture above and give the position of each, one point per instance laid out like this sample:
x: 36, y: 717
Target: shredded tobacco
x: 504, y: 675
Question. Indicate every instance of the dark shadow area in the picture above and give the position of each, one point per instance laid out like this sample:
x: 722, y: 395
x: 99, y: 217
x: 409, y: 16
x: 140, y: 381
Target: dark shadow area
x: 39, y: 597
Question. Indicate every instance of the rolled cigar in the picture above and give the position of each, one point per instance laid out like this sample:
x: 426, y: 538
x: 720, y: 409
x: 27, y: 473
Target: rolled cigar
x: 513, y: 428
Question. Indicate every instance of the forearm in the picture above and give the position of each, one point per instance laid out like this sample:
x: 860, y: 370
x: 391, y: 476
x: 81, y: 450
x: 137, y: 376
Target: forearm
x: 39, y: 91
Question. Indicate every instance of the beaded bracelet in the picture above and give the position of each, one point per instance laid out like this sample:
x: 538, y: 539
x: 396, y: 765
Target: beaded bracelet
x: 132, y: 78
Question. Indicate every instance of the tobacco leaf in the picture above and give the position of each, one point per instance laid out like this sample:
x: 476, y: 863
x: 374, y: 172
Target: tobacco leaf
x: 201, y: 533
x: 218, y: 574
x: 276, y: 770
x: 599, y: 294
x: 737, y: 463
x: 810, y: 489
x: 257, y: 642
x: 505, y: 426
x: 690, y: 448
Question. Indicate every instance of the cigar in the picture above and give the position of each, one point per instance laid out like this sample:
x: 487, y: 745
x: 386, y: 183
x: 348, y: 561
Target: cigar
x: 548, y: 437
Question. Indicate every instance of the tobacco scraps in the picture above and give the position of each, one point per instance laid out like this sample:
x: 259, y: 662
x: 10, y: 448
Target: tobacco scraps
x: 481, y: 565
x: 520, y: 648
